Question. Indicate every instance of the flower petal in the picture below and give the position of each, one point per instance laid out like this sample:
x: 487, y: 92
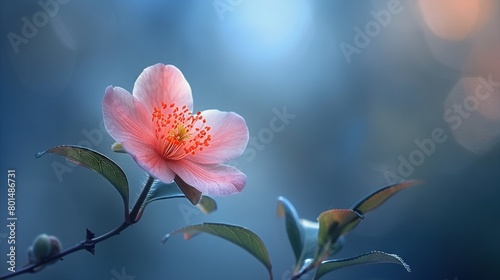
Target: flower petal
x: 229, y: 138
x: 163, y: 83
x: 211, y: 179
x: 125, y: 117
x: 129, y: 123
x: 155, y: 166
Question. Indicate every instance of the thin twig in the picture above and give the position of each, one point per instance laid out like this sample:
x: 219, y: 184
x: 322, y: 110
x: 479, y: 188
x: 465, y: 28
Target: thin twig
x: 87, y: 244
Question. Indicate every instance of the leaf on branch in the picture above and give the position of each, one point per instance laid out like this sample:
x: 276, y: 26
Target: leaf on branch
x: 240, y: 236
x: 207, y: 205
x: 99, y: 163
x: 302, y: 234
x: 310, y: 242
x: 367, y: 258
x: 313, y: 243
x: 378, y: 197
x: 161, y: 190
x: 332, y: 225
x: 294, y: 228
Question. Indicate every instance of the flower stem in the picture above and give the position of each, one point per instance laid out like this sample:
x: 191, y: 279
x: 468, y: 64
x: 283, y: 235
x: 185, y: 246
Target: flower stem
x: 135, y: 214
x: 302, y: 272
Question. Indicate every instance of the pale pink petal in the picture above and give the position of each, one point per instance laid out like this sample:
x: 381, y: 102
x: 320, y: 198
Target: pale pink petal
x: 129, y: 123
x: 229, y: 137
x: 163, y: 83
x: 156, y: 166
x: 125, y: 118
x: 211, y: 179
x: 150, y: 161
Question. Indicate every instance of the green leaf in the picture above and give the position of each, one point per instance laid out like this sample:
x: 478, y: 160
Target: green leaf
x: 293, y: 225
x: 99, y: 163
x: 207, y: 205
x: 302, y: 234
x: 161, y: 190
x: 332, y: 225
x: 310, y: 244
x: 375, y: 199
x: 240, y: 236
x: 367, y: 258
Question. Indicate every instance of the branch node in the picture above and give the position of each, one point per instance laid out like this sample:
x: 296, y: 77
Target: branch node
x: 89, y: 244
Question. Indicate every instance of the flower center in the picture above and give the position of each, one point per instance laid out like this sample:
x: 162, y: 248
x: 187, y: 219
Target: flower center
x: 179, y: 132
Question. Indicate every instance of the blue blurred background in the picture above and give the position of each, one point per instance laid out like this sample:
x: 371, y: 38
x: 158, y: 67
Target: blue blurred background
x: 372, y: 92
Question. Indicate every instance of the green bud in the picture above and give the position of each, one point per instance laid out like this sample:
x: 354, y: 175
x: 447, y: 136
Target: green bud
x: 41, y: 247
x: 55, y: 245
x: 118, y: 148
x: 44, y: 246
x: 32, y: 259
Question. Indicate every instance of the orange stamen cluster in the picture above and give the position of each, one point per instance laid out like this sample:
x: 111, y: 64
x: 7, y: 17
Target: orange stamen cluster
x: 177, y: 128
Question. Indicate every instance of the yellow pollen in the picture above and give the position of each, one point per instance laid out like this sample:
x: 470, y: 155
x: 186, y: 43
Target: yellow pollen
x: 179, y: 131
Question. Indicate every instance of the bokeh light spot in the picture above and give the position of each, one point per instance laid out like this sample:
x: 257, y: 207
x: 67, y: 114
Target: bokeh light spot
x: 464, y: 112
x: 450, y: 19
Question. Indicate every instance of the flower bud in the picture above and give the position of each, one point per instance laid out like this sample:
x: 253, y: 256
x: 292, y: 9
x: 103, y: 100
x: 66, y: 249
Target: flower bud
x: 41, y: 247
x: 55, y: 245
x: 118, y: 148
x: 44, y: 246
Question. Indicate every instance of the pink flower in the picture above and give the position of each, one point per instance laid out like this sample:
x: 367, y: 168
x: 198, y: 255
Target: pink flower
x: 156, y: 126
